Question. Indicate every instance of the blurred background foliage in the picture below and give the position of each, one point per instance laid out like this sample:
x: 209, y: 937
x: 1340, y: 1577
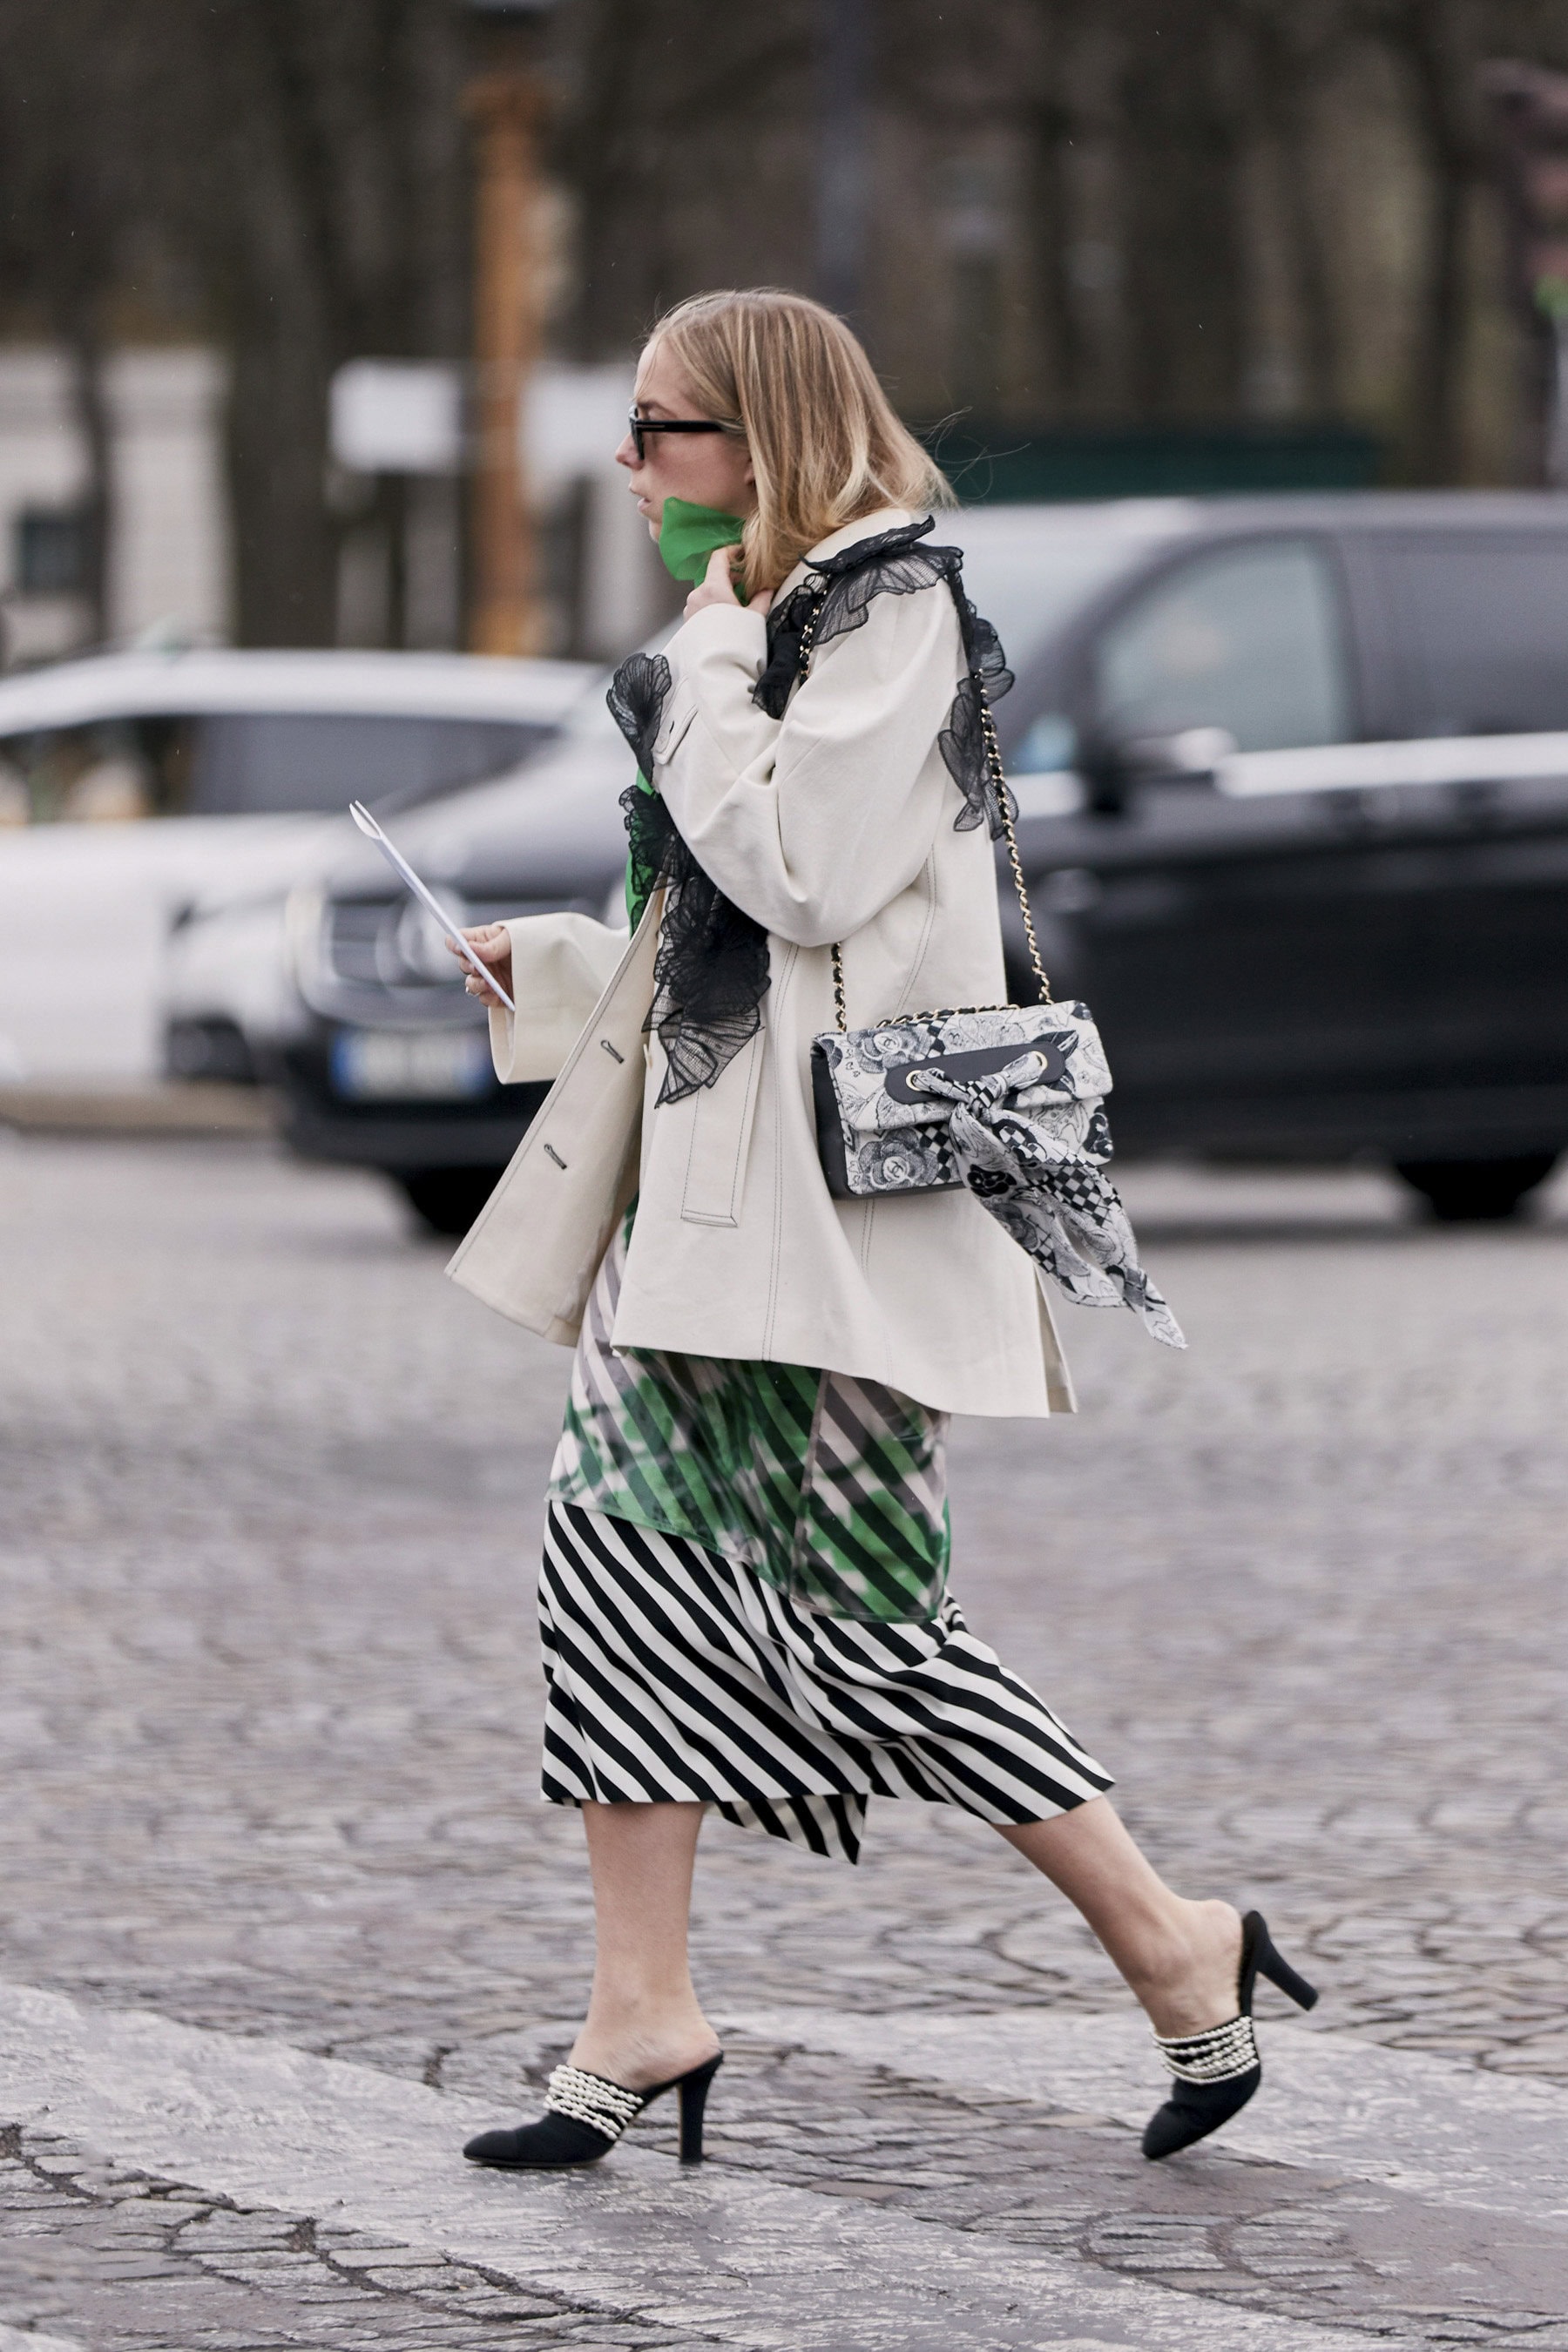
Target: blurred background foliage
x: 1044, y: 215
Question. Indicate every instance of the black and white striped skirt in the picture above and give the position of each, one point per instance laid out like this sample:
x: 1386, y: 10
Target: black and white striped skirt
x: 677, y: 1674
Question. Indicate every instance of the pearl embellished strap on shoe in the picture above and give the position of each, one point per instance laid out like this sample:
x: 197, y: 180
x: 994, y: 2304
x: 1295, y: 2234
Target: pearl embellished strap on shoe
x: 594, y: 2100
x: 1216, y: 2057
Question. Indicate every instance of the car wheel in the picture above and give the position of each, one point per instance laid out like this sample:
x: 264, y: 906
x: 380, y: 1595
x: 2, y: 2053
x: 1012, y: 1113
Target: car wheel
x: 208, y: 1049
x: 1475, y: 1191
x: 448, y: 1200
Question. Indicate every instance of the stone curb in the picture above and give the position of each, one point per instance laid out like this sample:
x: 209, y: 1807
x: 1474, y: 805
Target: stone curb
x: 201, y: 1107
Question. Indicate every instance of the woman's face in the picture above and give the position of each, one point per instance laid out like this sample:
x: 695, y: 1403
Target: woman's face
x: 706, y: 469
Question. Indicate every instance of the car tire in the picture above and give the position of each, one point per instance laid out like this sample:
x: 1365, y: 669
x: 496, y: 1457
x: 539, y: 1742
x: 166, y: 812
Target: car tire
x: 448, y: 1200
x: 214, y: 1049
x: 1475, y: 1191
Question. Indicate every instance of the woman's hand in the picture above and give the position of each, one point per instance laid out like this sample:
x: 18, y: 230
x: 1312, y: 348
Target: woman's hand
x: 492, y: 942
x: 718, y: 587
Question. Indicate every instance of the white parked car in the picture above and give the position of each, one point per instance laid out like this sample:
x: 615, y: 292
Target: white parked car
x: 133, y: 786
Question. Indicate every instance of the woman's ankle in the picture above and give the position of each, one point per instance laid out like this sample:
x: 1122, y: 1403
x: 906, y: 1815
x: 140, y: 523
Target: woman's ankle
x: 1186, y: 1978
x: 641, y: 2043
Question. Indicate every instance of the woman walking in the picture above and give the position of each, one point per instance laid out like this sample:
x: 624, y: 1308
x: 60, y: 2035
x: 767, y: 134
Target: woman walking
x: 744, y: 1599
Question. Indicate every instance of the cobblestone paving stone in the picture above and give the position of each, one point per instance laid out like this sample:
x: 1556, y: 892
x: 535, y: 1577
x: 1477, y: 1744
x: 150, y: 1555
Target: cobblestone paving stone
x: 270, y: 1695
x: 156, y: 2263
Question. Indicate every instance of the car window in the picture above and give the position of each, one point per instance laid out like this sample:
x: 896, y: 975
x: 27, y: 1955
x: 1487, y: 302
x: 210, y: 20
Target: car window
x: 242, y: 762
x: 1248, y: 639
x: 106, y: 773
x: 266, y: 761
x: 1484, y: 627
x: 1030, y: 577
x: 1048, y: 744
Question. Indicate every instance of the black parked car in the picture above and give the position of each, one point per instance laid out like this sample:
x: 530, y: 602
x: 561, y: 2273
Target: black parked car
x: 1293, y: 787
x: 1315, y: 884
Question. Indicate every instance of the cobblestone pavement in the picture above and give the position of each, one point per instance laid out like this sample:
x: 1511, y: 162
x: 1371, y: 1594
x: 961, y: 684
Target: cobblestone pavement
x: 268, y: 1697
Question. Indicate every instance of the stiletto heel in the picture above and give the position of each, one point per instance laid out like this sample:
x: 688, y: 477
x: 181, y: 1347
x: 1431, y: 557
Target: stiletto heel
x: 1217, y: 2071
x: 694, y: 2088
x: 1278, y: 1971
x: 584, y: 2115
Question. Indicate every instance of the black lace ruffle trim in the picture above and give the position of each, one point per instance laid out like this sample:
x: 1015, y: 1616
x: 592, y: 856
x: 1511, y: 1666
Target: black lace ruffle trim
x: 896, y: 564
x: 638, y: 692
x: 963, y: 741
x: 891, y: 564
x: 711, y: 969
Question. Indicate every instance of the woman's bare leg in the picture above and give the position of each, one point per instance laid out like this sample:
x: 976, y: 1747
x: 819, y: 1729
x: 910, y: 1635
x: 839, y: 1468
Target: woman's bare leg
x: 1178, y: 1957
x: 643, y: 2024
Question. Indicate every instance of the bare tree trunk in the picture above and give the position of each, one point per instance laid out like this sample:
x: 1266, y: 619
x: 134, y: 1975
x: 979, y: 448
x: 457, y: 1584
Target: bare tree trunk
x: 1320, y: 343
x: 341, y: 130
x: 286, y: 540
x: 1052, y: 230
x: 1180, y: 157
x: 293, y: 315
x: 66, y: 191
x: 690, y: 151
x: 1283, y: 72
x: 1435, y: 43
x: 77, y: 316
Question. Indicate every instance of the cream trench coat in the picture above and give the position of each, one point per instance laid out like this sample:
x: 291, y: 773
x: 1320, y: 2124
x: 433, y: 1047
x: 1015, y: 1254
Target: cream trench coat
x: 833, y: 823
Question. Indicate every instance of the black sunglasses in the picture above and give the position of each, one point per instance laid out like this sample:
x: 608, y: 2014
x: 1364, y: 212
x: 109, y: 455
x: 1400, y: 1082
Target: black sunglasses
x: 640, y: 424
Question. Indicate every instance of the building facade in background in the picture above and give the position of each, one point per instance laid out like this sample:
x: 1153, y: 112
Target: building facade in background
x: 397, y: 498
x: 169, y: 542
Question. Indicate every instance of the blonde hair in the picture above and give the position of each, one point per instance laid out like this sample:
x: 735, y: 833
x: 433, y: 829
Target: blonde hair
x: 826, y: 445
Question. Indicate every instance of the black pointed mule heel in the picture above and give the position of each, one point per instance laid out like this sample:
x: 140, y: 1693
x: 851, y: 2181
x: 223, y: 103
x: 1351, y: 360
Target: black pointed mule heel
x: 1217, y: 2071
x: 584, y: 2115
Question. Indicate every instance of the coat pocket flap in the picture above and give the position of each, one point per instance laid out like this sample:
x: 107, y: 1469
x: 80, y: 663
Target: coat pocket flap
x: 720, y: 1140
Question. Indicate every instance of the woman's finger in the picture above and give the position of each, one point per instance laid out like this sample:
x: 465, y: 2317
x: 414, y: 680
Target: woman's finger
x: 489, y: 942
x: 717, y: 585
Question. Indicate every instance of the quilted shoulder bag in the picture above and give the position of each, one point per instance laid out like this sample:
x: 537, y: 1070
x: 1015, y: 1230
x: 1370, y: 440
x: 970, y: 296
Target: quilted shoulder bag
x: 1005, y: 1101
x: 879, y: 1132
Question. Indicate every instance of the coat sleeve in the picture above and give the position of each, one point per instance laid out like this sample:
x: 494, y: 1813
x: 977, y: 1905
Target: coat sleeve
x: 561, y: 966
x: 812, y: 822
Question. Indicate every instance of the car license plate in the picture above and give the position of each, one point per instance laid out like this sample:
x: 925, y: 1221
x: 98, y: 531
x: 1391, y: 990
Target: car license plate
x: 411, y: 1064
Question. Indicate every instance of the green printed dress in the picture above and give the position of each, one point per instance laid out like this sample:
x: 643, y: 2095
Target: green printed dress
x: 833, y: 1490
x: 744, y: 1603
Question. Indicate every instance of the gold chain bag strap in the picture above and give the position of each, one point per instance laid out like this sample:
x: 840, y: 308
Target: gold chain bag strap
x: 876, y: 1133
x: 1006, y: 1100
